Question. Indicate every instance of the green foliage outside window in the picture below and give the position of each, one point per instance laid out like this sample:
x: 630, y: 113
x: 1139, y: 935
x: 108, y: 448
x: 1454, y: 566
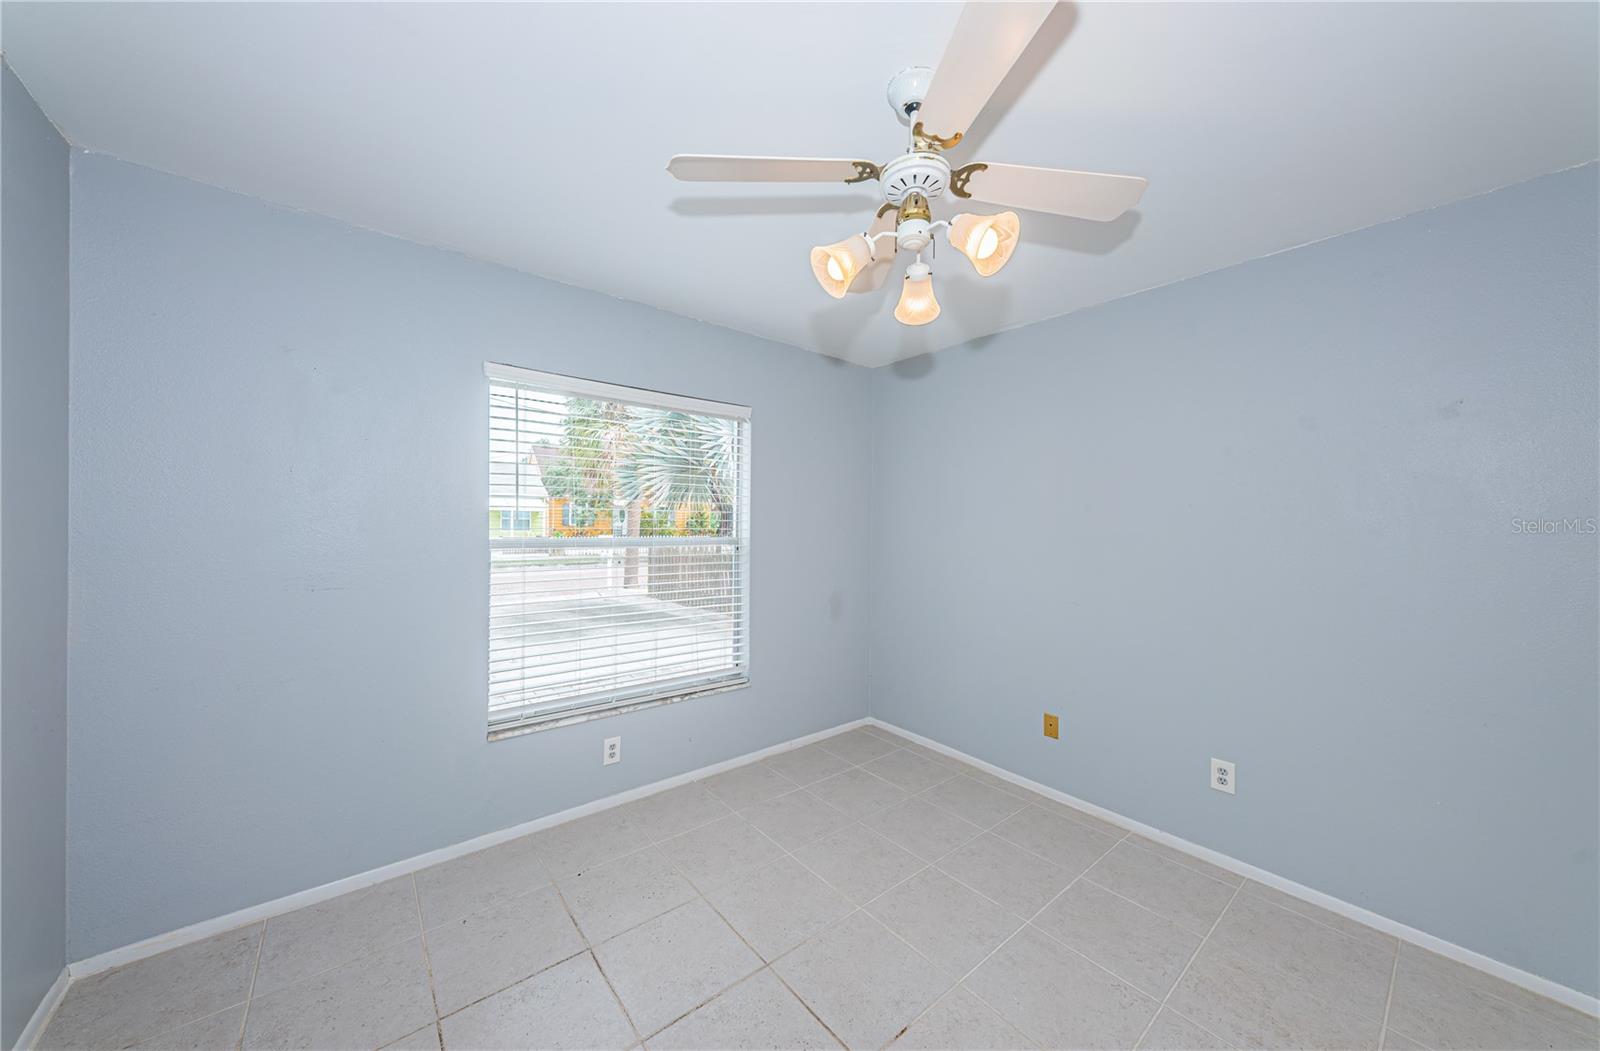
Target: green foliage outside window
x: 613, y: 455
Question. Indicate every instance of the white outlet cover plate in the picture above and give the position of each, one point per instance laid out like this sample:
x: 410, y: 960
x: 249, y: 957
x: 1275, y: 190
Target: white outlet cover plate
x: 1222, y: 776
x: 612, y: 752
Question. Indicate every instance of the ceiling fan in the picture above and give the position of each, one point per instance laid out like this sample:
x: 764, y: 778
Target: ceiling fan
x: 938, y: 109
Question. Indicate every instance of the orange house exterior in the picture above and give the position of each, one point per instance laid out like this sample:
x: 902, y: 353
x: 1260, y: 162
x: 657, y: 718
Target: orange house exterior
x: 558, y: 513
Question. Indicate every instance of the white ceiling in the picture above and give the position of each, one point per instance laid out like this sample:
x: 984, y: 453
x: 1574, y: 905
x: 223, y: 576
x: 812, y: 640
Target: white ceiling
x: 536, y: 135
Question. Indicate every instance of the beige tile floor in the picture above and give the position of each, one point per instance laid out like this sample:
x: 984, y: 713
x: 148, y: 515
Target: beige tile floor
x: 861, y: 891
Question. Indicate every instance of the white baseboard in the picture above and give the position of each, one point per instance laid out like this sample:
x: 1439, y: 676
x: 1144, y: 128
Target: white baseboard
x: 41, y: 1014
x: 254, y: 914
x: 1516, y: 976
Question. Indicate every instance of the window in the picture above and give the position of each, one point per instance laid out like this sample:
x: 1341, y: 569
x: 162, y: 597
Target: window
x: 637, y: 590
x: 507, y: 521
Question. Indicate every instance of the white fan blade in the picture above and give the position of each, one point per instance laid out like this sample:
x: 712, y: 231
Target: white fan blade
x: 875, y: 273
x: 1083, y: 195
x: 988, y: 40
x: 699, y: 167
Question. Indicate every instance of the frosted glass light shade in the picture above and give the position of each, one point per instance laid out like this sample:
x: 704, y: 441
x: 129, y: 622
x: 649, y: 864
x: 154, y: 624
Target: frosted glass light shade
x: 836, y: 265
x: 917, y: 305
x: 986, y: 240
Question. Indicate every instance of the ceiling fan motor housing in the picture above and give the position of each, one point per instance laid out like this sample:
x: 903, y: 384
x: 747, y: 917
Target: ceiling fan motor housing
x: 926, y: 173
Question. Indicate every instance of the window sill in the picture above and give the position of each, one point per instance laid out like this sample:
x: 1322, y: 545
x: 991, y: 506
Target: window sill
x: 535, y: 724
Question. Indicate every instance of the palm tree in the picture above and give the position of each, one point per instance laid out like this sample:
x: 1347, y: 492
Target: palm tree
x: 683, y: 459
x: 678, y: 458
x: 670, y: 459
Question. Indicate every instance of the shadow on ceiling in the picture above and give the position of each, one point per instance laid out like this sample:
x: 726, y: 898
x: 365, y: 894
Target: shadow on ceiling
x: 1077, y: 235
x: 809, y: 204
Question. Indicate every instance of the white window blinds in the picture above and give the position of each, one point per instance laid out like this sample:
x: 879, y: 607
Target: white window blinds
x: 619, y: 545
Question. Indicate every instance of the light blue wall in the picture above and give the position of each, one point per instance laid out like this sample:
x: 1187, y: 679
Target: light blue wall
x: 33, y: 554
x: 279, y: 578
x: 1268, y: 515
x: 1269, y: 518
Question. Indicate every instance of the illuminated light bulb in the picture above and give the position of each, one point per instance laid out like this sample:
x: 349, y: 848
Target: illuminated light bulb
x: 836, y: 265
x: 917, y: 305
x: 987, y: 243
x: 986, y: 240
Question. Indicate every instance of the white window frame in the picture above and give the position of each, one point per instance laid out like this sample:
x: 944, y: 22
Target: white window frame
x: 669, y: 692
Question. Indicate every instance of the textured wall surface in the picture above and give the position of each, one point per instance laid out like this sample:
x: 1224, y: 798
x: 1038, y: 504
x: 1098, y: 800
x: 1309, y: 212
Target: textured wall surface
x: 33, y: 554
x: 1272, y: 515
x: 279, y: 559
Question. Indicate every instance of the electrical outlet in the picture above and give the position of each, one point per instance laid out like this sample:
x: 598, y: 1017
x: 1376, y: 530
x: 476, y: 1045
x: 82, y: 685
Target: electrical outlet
x: 1052, y: 726
x: 1222, y: 778
x: 613, y: 752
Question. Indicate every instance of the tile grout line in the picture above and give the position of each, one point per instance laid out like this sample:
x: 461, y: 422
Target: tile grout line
x: 187, y: 1021
x: 1183, y: 973
x: 427, y: 960
x: 1187, y: 863
x: 1144, y: 848
x: 416, y: 898
x: 802, y: 1002
x: 303, y: 979
x: 250, y: 993
x: 650, y: 844
x: 1024, y: 925
x: 954, y: 990
x: 422, y: 937
x: 1584, y: 1028
x: 1320, y: 923
x: 1024, y: 802
x: 1138, y: 904
x: 589, y: 947
x: 951, y: 772
x: 956, y: 768
x: 982, y: 831
x: 500, y: 989
x: 77, y: 976
x: 638, y: 1040
x: 583, y: 936
x: 768, y: 964
x: 700, y: 894
x: 1315, y: 994
x: 926, y: 865
x: 1127, y: 836
x: 1400, y: 943
x: 1165, y: 1007
x: 1026, y: 799
x: 973, y: 970
x: 1394, y: 969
